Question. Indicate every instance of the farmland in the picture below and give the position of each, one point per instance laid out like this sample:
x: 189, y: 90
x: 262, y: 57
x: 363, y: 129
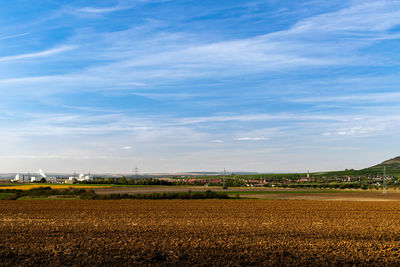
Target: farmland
x: 266, y: 193
x: 93, y: 191
x: 199, y: 232
x: 53, y: 186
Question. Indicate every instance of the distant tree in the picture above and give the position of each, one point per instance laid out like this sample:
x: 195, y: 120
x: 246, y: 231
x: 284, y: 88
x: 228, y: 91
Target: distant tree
x: 364, y: 186
x: 124, y: 180
x: 43, y: 180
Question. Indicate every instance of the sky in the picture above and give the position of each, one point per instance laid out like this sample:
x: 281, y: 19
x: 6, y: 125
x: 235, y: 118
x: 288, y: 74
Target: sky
x: 168, y: 86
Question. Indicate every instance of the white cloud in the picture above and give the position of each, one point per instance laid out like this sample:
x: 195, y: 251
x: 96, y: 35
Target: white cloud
x: 44, y: 53
x: 256, y: 117
x: 13, y: 36
x: 251, y: 138
x: 127, y: 148
x: 371, y: 127
x: 50, y: 157
x: 325, y: 40
x: 367, y: 17
x: 97, y: 10
x: 332, y: 39
x: 353, y: 98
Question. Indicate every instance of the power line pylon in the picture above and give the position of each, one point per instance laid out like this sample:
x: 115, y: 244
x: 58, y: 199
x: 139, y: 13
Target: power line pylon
x: 384, y: 180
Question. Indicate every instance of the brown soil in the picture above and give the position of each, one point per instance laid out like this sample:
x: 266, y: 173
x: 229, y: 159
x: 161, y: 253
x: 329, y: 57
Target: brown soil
x: 199, y: 232
x: 343, y: 196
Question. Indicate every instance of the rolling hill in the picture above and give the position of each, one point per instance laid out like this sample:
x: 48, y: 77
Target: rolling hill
x: 392, y: 166
x: 392, y: 169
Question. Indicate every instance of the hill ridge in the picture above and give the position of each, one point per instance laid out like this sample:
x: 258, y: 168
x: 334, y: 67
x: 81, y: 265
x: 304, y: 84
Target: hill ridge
x: 391, y: 161
x: 391, y: 165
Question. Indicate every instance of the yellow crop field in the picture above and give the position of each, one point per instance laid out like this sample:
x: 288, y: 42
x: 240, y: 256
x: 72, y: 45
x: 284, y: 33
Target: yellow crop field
x: 55, y: 186
x: 199, y: 232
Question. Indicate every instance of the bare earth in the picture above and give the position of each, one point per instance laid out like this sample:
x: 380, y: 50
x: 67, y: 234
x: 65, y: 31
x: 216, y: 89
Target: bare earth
x: 199, y: 233
x: 353, y: 196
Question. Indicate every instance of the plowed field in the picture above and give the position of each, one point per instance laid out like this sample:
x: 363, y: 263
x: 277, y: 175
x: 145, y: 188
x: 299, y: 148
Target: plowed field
x: 199, y: 232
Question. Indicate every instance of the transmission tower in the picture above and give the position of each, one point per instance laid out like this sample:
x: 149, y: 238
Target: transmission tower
x: 224, y: 180
x: 136, y: 171
x: 384, y: 180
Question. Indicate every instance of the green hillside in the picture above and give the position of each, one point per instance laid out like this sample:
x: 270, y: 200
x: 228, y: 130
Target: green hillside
x: 392, y: 167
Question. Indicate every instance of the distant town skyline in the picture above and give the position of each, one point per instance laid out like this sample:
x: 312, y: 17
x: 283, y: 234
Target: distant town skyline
x: 175, y: 86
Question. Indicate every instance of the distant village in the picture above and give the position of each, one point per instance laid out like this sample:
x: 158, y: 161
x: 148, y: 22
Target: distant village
x: 226, y: 180
x: 41, y: 177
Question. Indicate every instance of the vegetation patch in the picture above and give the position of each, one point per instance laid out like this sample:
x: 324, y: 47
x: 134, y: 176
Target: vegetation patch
x: 290, y: 192
x: 45, y: 192
x: 4, y: 196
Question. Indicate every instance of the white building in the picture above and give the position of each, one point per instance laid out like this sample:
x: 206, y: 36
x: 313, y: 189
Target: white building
x: 83, y: 178
x: 20, y: 178
x: 35, y: 179
x: 23, y: 178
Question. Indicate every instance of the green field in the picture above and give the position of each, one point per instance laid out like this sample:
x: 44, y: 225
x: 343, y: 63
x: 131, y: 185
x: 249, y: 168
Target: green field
x: 291, y: 192
x: 4, y: 195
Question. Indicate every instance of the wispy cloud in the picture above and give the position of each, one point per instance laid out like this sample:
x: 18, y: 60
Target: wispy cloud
x: 44, y: 53
x: 332, y: 39
x: 354, y: 98
x: 257, y: 117
x: 260, y: 138
x: 50, y: 157
x: 357, y: 131
x: 97, y: 10
x: 364, y: 17
x: 13, y: 36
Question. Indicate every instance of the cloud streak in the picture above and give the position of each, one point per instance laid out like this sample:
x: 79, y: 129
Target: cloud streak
x: 97, y: 10
x: 251, y: 138
x: 320, y: 41
x: 13, y: 36
x: 40, y: 54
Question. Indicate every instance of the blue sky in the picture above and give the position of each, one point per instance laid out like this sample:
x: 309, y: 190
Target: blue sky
x: 265, y: 86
